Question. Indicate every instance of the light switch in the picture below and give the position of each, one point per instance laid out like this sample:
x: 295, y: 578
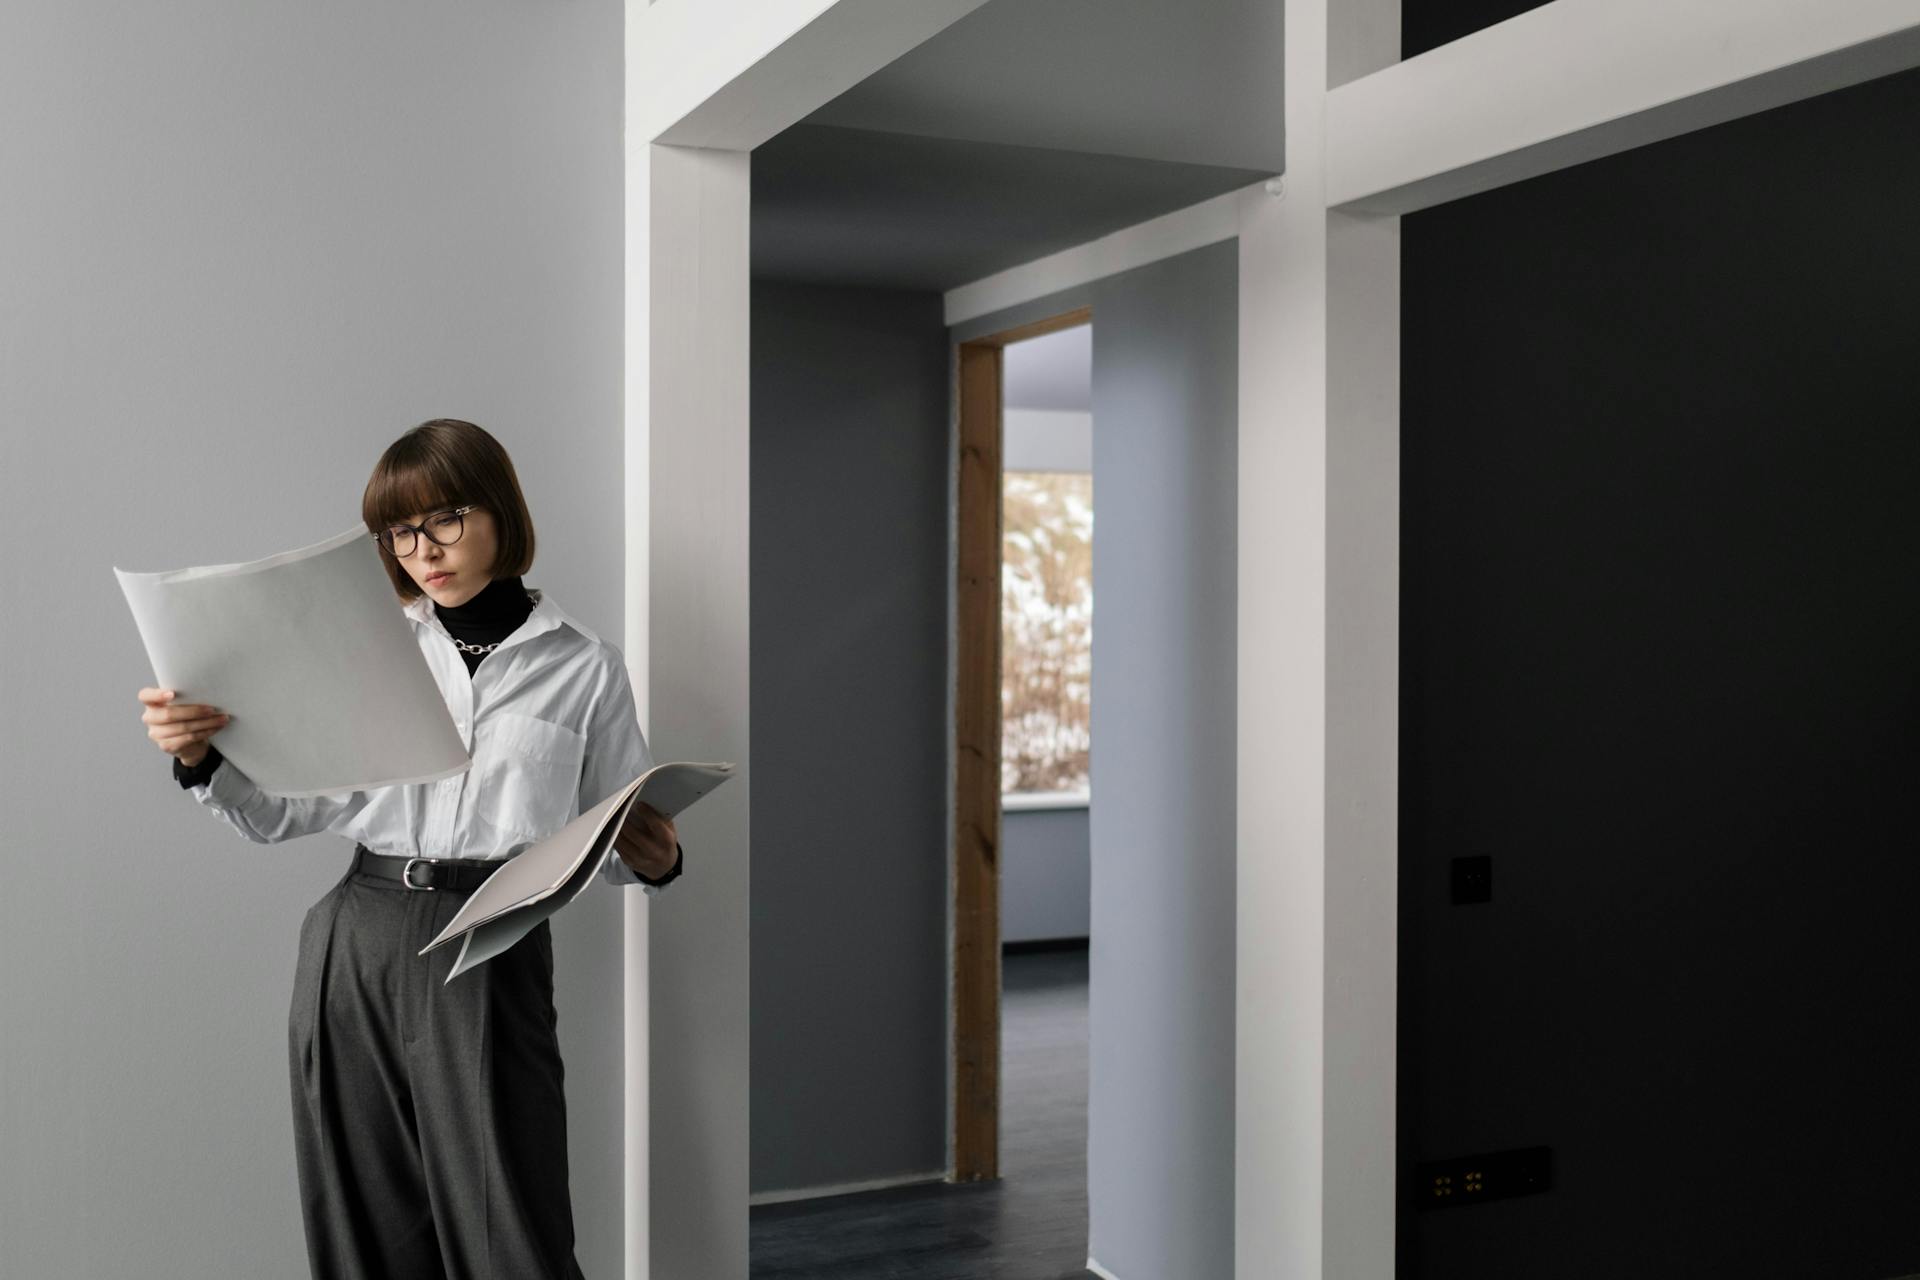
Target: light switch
x: 1472, y: 880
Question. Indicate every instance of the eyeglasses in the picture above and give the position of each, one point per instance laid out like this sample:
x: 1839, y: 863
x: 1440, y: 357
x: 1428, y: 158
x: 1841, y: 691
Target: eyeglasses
x: 444, y: 527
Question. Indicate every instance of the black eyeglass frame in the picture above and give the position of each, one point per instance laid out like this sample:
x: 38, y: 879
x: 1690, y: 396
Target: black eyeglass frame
x: 420, y: 531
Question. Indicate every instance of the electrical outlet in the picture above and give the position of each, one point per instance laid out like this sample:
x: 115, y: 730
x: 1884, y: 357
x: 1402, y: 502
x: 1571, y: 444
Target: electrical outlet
x: 1472, y: 880
x: 1497, y: 1175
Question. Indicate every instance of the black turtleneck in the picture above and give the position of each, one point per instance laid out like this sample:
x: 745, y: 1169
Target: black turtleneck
x: 493, y: 614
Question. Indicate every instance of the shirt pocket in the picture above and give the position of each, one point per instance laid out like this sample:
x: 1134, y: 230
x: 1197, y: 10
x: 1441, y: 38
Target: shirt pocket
x: 528, y: 775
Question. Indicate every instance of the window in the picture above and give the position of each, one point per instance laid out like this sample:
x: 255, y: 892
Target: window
x: 1046, y: 645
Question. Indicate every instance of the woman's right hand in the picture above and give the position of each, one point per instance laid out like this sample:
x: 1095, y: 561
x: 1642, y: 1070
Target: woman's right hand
x: 183, y: 729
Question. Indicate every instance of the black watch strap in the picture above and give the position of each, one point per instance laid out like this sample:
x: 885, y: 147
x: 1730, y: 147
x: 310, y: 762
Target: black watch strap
x: 678, y: 855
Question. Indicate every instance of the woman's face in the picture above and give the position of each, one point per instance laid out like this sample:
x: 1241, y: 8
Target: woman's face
x: 454, y: 575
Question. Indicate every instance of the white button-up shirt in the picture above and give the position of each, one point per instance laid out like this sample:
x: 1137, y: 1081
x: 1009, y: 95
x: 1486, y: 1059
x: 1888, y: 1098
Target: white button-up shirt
x: 549, y: 720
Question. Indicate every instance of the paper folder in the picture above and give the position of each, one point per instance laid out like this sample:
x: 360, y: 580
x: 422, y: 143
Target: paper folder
x: 550, y: 873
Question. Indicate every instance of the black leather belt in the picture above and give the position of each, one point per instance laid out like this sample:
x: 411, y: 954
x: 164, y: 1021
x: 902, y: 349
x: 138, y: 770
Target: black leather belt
x: 426, y: 873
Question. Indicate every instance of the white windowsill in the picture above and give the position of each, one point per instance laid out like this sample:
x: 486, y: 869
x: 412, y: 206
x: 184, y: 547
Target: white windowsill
x: 1028, y: 801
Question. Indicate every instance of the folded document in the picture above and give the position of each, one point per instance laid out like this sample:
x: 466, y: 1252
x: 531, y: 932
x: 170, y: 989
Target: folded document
x: 547, y: 875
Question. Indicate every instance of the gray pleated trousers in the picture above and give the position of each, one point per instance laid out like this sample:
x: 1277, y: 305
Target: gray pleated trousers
x: 429, y: 1121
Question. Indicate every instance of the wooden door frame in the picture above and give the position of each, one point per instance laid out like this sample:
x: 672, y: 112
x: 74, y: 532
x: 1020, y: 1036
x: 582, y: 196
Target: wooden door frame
x: 976, y: 725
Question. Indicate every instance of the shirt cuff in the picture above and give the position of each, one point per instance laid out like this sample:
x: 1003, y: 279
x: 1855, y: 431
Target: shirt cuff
x: 617, y: 872
x: 228, y: 788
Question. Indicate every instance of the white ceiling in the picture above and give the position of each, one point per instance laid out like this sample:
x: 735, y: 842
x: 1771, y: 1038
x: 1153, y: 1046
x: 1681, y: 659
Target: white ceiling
x: 1191, y: 81
x: 1026, y: 127
x: 1053, y: 371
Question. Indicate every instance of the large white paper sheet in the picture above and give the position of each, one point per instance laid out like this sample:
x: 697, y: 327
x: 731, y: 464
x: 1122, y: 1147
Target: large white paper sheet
x: 312, y: 655
x: 550, y: 873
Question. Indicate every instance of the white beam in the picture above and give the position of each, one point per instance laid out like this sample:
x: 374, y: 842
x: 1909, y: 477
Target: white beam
x: 1123, y: 250
x: 1578, y: 79
x: 730, y: 76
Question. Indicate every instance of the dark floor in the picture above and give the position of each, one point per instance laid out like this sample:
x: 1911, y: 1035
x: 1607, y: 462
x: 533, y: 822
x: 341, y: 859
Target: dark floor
x: 1030, y: 1225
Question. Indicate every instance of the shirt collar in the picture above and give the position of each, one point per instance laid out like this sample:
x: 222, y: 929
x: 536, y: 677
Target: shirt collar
x: 545, y: 617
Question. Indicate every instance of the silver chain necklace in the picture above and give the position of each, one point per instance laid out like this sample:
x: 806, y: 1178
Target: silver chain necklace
x: 464, y: 647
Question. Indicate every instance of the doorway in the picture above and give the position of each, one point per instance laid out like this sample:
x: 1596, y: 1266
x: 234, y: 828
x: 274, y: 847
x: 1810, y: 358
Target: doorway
x: 978, y: 741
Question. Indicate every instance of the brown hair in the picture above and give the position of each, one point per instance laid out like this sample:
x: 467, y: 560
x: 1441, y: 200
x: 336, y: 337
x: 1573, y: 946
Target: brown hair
x: 442, y: 463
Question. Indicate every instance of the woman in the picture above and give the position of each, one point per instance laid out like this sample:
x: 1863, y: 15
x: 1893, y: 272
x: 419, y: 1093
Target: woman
x: 429, y: 1119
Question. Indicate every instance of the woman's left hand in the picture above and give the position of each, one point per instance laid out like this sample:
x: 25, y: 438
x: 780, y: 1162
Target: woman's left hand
x: 647, y: 843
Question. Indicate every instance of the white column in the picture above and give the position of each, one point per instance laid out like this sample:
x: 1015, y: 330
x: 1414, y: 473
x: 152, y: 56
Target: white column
x: 637, y: 942
x: 1362, y: 742
x: 687, y: 379
x: 1318, y: 663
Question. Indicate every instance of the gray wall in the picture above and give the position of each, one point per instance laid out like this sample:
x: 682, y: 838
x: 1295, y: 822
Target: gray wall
x: 1045, y: 865
x: 1161, y: 1014
x: 244, y: 247
x: 1659, y: 626
x: 849, y: 691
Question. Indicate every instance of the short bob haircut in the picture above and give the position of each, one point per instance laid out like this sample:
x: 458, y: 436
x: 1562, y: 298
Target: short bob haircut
x: 443, y: 463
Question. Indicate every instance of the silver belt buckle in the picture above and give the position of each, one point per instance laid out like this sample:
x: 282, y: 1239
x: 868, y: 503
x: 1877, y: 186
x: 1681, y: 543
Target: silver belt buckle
x: 406, y: 874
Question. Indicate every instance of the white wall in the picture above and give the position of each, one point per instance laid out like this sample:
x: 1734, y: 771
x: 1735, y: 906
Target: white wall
x: 1046, y: 868
x: 1161, y: 893
x: 245, y: 245
x: 1046, y: 439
